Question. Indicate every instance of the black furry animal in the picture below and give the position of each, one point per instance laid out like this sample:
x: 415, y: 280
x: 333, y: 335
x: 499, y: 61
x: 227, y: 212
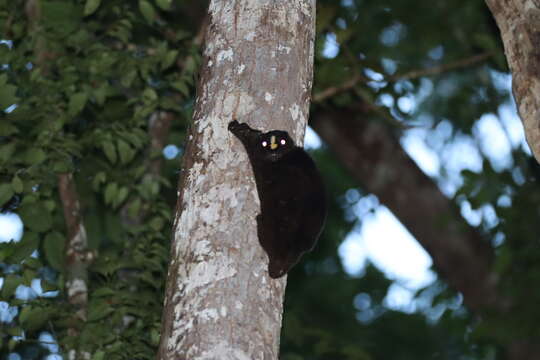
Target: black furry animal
x: 293, y: 203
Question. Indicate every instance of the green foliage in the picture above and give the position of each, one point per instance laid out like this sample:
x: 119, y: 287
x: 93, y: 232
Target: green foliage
x: 84, y: 77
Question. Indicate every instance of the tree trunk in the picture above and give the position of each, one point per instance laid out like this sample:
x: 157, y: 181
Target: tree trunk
x: 377, y: 160
x: 519, y: 22
x: 220, y: 302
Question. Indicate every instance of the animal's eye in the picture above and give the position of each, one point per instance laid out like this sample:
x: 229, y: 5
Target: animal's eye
x: 282, y: 141
x: 264, y: 143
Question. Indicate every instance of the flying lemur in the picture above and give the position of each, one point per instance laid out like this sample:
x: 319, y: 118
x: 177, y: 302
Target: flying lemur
x: 293, y: 202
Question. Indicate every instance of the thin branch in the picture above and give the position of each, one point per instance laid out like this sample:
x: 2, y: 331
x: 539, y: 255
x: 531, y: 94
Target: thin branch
x: 78, y: 257
x: 414, y: 74
x: 439, y: 69
x: 333, y: 90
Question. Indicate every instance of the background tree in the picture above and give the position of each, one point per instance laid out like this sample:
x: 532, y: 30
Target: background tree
x: 518, y: 22
x: 384, y: 71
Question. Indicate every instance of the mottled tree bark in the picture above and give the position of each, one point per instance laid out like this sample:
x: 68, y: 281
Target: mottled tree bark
x: 378, y: 162
x: 257, y: 68
x: 78, y: 258
x: 519, y: 22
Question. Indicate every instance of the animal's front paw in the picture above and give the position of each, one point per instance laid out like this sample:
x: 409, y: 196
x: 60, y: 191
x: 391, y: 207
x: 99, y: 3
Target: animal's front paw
x: 235, y: 127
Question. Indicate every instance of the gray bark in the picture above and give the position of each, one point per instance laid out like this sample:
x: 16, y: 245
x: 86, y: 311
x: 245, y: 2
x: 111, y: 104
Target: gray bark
x: 519, y: 22
x: 257, y: 68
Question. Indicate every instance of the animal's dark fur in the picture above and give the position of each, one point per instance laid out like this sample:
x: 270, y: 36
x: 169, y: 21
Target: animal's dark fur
x: 293, y: 204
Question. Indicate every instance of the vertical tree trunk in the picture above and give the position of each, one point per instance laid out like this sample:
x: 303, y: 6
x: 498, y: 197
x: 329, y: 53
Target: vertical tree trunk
x: 257, y: 68
x: 519, y: 22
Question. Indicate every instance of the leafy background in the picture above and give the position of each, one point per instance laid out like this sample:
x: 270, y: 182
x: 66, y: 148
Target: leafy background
x: 79, y: 81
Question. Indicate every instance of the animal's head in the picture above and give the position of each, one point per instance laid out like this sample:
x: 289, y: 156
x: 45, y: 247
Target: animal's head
x: 271, y: 146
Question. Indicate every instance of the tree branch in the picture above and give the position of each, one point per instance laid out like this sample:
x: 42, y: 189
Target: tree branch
x: 378, y: 162
x: 520, y: 31
x: 414, y: 74
x: 77, y: 256
x: 439, y: 69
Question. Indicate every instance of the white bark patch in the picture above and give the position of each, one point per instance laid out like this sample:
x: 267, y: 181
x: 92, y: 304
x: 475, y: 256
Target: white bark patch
x: 268, y: 97
x: 307, y: 7
x: 240, y: 68
x: 529, y: 4
x: 208, y: 315
x: 295, y: 111
x: 250, y: 36
x: 246, y: 104
x: 224, y: 351
x: 202, y: 248
x: 210, y: 271
x: 225, y: 55
x: 285, y: 49
x: 223, y: 311
x: 76, y: 286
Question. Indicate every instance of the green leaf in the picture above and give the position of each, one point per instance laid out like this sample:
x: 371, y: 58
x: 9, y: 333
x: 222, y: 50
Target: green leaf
x: 134, y: 207
x: 125, y: 151
x: 12, y: 343
x: 7, y: 129
x: 36, y: 217
x: 24, y: 248
x: 110, y: 193
x: 157, y: 223
x: 149, y: 95
x: 33, y: 263
x: 128, y: 78
x: 101, y: 94
x: 47, y: 286
x: 29, y: 275
x: 99, y: 355
x: 99, y: 179
x: 190, y: 65
x: 169, y: 59
x: 6, y: 152
x: 103, y: 292
x: 154, y: 337
x: 33, y: 318
x: 164, y: 4
x: 76, y: 103
x: 110, y: 151
x: 7, y: 93
x: 147, y: 10
x: 11, y: 282
x: 6, y: 192
x: 181, y: 86
x: 121, y: 196
x: 91, y: 6
x: 61, y: 17
x: 99, y: 309
x: 14, y: 331
x: 53, y: 248
x: 34, y: 156
x: 17, y: 184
